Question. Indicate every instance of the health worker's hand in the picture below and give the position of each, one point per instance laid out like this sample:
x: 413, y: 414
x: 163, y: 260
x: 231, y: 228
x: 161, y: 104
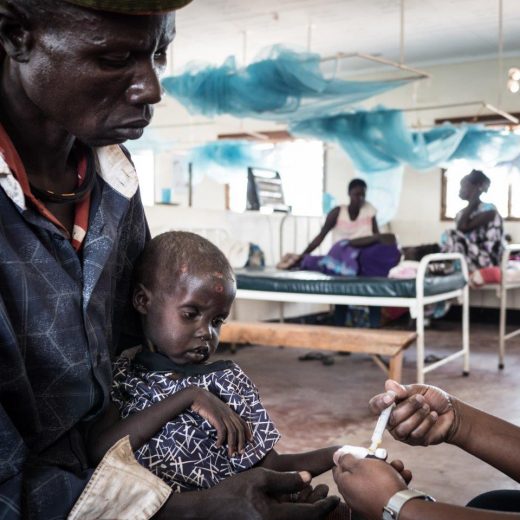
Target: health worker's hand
x: 423, y: 414
x: 367, y: 484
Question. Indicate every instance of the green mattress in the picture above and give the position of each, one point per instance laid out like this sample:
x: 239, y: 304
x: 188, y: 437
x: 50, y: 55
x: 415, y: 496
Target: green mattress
x: 309, y: 282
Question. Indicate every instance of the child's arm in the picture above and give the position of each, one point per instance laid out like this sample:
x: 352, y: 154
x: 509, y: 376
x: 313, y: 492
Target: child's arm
x: 315, y: 462
x: 142, y: 426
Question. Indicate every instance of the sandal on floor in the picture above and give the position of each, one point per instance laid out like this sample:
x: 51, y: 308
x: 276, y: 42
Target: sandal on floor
x: 312, y: 356
x: 432, y: 358
x: 328, y: 360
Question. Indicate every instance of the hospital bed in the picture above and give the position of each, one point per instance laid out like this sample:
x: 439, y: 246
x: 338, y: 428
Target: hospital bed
x: 414, y: 294
x: 501, y: 290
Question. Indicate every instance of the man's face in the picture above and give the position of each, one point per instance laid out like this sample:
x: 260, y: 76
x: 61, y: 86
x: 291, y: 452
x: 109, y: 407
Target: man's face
x: 97, y: 76
x: 184, y: 324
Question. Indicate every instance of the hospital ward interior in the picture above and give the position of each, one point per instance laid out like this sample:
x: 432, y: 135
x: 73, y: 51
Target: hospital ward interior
x: 271, y: 110
x: 347, y: 175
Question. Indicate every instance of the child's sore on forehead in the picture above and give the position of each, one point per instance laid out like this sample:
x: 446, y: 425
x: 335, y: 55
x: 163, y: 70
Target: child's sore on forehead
x: 219, y: 280
x: 215, y: 279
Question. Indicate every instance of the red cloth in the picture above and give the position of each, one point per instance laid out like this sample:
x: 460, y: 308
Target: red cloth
x: 82, y: 208
x: 490, y: 275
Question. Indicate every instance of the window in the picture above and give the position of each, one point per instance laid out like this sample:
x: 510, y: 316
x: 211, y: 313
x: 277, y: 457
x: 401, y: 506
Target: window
x: 300, y: 163
x: 504, y: 191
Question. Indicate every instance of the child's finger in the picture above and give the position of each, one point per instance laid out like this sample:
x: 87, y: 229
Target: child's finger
x: 407, y: 476
x: 241, y: 437
x: 221, y: 432
x: 397, y: 465
x: 231, y: 439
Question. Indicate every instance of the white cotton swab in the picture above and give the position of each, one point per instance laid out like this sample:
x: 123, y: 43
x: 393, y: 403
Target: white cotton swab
x: 377, y: 436
x: 358, y: 452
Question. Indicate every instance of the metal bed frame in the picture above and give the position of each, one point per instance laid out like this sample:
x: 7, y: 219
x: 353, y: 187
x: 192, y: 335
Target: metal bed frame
x: 415, y: 305
x: 501, y: 290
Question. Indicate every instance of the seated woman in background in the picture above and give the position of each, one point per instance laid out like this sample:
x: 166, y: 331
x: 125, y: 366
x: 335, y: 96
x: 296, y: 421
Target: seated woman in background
x: 356, y: 220
x: 479, y: 231
x: 353, y: 227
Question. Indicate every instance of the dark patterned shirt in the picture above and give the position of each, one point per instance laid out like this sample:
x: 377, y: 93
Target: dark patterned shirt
x: 482, y: 246
x: 61, y: 318
x: 184, y: 453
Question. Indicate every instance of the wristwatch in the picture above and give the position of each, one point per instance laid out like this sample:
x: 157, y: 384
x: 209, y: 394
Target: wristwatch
x: 393, y: 508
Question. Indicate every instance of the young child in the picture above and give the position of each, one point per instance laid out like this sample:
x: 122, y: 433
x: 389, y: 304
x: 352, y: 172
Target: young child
x: 191, y: 422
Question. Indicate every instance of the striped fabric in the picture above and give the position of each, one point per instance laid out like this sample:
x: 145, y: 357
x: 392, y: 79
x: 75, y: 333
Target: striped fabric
x: 14, y: 162
x: 82, y: 210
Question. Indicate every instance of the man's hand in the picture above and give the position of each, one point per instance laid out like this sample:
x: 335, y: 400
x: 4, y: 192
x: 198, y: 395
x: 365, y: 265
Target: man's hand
x: 256, y: 494
x: 308, y: 495
x: 266, y: 493
x: 231, y: 428
x: 367, y: 484
x: 424, y: 414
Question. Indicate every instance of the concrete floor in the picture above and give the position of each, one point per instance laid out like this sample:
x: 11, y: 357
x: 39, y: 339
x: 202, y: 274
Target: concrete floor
x: 315, y: 405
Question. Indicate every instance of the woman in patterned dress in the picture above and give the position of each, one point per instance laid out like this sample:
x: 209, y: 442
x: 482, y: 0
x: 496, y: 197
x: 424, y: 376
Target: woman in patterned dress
x: 479, y: 231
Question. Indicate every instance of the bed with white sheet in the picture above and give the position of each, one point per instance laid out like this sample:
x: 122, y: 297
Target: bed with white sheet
x: 414, y: 294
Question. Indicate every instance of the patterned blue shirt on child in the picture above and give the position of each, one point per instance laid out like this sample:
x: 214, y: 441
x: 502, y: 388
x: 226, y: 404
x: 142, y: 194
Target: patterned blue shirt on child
x: 183, y: 453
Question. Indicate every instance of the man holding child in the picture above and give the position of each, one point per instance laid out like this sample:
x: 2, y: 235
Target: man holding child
x: 78, y: 78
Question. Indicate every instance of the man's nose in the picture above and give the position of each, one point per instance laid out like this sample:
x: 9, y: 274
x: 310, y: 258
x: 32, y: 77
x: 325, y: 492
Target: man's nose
x: 145, y: 88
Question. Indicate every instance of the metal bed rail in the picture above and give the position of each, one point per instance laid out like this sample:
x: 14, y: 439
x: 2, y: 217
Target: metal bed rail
x: 416, y: 305
x: 301, y: 226
x: 422, y: 301
x: 501, y: 290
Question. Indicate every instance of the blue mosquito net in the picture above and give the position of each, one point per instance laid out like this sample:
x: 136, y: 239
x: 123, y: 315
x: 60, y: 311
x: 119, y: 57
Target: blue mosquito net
x: 280, y: 85
x: 379, y: 140
x: 379, y: 144
x: 225, y: 153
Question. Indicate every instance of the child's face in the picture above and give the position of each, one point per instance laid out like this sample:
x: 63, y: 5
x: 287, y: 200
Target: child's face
x: 184, y: 324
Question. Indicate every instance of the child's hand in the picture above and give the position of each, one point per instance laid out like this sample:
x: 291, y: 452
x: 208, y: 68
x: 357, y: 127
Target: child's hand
x: 231, y: 428
x: 405, y: 473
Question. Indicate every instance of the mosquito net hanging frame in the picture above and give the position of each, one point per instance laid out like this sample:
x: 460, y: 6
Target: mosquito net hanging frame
x: 417, y: 74
x: 510, y: 118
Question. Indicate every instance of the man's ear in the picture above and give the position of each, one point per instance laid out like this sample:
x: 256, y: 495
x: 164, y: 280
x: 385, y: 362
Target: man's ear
x: 15, y: 35
x: 141, y: 299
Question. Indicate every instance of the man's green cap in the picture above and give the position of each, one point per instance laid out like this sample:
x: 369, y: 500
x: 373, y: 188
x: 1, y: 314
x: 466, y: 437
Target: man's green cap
x: 132, y: 6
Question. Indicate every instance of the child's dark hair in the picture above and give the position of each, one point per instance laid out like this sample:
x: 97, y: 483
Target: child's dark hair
x: 356, y: 183
x: 172, y: 254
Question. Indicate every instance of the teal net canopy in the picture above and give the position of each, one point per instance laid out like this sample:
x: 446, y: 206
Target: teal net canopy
x: 281, y: 84
x: 224, y: 161
x: 379, y: 143
x: 379, y: 140
x: 225, y: 153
